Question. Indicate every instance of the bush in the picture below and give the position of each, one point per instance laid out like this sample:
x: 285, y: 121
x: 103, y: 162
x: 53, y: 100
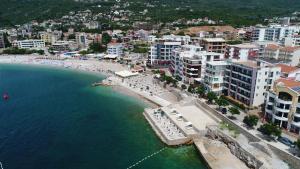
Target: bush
x: 234, y: 111
x: 251, y: 120
x: 183, y: 87
x: 235, y: 103
x: 270, y: 129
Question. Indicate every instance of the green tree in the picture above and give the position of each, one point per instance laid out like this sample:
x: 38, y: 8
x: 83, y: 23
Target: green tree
x: 221, y: 102
x: 200, y: 91
x: 96, y: 47
x: 270, y: 129
x: 211, y: 96
x: 106, y: 38
x: 71, y: 36
x: 234, y: 111
x: 251, y: 120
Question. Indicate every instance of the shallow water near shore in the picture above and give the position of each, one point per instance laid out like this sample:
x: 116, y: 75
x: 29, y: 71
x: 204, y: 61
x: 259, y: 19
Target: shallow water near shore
x: 54, y: 119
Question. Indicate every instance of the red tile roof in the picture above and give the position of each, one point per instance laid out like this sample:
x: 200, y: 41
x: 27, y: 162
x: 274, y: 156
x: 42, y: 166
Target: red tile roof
x: 286, y: 68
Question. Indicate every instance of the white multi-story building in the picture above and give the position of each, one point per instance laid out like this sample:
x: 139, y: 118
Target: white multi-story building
x: 214, y: 76
x: 189, y: 62
x: 176, y: 38
x: 81, y: 40
x: 29, y: 44
x: 242, y: 52
x: 286, y: 54
x: 160, y: 53
x: 115, y: 49
x: 283, y: 105
x: 292, y: 41
x: 249, y: 81
x: 274, y: 32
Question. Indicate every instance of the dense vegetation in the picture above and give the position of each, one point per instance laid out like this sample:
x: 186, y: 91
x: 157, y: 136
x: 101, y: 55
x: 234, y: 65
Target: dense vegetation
x: 236, y: 12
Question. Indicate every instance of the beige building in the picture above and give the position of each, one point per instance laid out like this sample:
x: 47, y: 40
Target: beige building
x: 217, y: 45
x: 283, y: 105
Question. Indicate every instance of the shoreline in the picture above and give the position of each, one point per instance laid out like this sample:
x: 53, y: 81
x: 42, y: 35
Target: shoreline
x: 116, y: 88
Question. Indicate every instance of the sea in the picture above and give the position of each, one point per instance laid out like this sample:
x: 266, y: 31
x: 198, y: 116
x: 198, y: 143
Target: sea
x: 55, y: 119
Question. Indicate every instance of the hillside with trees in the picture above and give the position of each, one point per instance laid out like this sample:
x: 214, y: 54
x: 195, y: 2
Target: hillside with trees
x: 236, y: 12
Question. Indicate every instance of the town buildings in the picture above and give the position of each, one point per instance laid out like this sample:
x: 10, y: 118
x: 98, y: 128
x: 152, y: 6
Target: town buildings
x: 29, y: 44
x: 283, y: 105
x: 248, y: 81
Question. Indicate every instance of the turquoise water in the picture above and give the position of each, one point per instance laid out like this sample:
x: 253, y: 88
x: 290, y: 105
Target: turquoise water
x: 54, y: 119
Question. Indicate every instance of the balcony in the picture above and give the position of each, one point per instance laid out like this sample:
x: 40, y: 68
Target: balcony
x: 281, y: 109
x: 280, y: 118
x: 278, y: 100
x: 269, y: 111
x: 296, y: 123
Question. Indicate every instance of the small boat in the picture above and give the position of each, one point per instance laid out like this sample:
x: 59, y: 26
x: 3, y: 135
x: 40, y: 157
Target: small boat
x: 5, y: 96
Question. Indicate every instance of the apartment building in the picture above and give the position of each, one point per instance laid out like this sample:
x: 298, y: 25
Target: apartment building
x: 81, y: 40
x: 189, y: 62
x: 286, y: 54
x: 283, y: 104
x: 29, y: 44
x: 248, y: 81
x: 242, y: 52
x: 292, y: 41
x: 214, y: 76
x: 217, y: 45
x: 115, y: 49
x: 60, y: 46
x: 176, y: 38
x: 273, y: 32
x: 160, y: 53
x: 51, y: 37
x: 2, y: 44
x: 290, y: 72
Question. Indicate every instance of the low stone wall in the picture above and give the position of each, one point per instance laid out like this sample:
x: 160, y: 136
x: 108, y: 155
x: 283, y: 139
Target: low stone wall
x: 161, y: 135
x: 251, y: 137
x: 293, y: 161
x: 236, y: 149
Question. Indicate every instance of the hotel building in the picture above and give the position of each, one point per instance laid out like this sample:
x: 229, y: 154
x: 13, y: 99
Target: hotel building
x: 189, y: 62
x: 29, y: 44
x: 217, y: 45
x: 242, y: 52
x: 283, y: 105
x: 160, y: 54
x: 249, y: 81
x: 115, y: 49
x: 214, y: 76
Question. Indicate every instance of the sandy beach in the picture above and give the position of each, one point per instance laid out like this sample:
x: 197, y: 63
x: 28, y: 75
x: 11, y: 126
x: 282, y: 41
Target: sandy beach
x: 107, y: 68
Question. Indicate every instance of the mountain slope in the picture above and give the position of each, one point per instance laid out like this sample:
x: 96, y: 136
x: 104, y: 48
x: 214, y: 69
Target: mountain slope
x: 231, y: 11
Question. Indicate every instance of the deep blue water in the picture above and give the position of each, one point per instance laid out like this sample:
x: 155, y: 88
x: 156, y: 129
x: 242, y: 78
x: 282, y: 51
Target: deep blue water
x: 54, y: 119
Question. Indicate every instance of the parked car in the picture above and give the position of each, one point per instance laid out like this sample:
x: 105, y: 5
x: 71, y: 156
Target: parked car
x: 286, y: 141
x: 224, y: 110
